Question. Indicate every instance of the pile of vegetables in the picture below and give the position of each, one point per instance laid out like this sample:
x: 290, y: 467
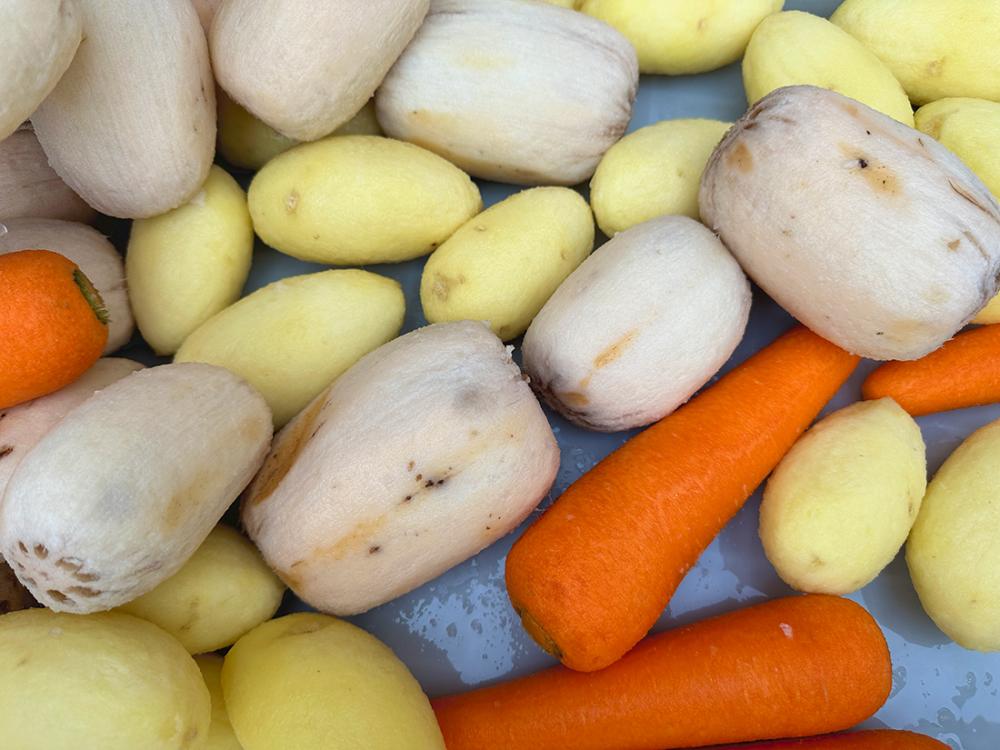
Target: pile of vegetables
x: 312, y: 435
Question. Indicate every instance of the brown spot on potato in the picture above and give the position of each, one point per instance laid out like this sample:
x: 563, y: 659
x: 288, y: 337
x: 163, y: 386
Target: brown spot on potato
x: 850, y: 108
x: 953, y: 245
x: 59, y: 596
x: 374, y: 549
x: 85, y: 591
x: 41, y: 551
x: 86, y: 577
x: 574, y: 399
x: 357, y: 538
x: 934, y: 68
x: 21, y: 546
x: 409, y: 466
x: 285, y: 450
x: 69, y: 563
x: 739, y: 157
x: 615, y: 350
x: 877, y: 174
x: 6, y: 450
x: 292, y: 201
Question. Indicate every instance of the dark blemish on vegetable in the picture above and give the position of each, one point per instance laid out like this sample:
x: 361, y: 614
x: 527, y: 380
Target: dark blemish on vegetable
x: 613, y: 352
x: 59, y: 596
x: 84, y: 591
x: 973, y: 200
x: 19, y: 564
x: 441, y: 481
x: 488, y: 528
x: 787, y: 232
x: 30, y: 581
x: 953, y: 245
x: 409, y: 466
x: 750, y: 126
x: 3, y: 414
x: 921, y: 142
x: 292, y: 201
x: 21, y: 546
x: 740, y: 157
x: 69, y: 563
x: 974, y: 241
x: 817, y: 562
x: 934, y: 67
x: 408, y: 498
x: 316, y: 430
x: 41, y: 551
x: 86, y: 577
x: 868, y: 132
x: 419, y: 477
x: 879, y: 333
x: 863, y: 163
x: 302, y: 628
x: 429, y: 483
x: 6, y: 450
x: 315, y: 236
x: 373, y: 550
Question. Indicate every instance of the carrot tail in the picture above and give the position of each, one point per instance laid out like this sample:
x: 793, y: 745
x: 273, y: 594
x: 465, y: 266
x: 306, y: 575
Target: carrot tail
x: 877, y: 739
x: 789, y: 667
x: 592, y: 575
x: 964, y: 372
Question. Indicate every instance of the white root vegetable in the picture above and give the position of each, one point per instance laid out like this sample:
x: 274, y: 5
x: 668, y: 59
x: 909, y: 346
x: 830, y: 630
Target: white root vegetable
x: 22, y: 426
x: 119, y: 494
x: 29, y: 187
x: 92, y: 252
x: 38, y: 39
x: 528, y: 93
x: 133, y: 150
x: 640, y: 326
x: 426, y: 451
x: 869, y: 232
x: 305, y: 68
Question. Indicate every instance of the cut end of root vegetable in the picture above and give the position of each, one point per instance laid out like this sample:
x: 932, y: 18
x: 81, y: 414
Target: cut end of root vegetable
x: 93, y: 297
x: 538, y: 634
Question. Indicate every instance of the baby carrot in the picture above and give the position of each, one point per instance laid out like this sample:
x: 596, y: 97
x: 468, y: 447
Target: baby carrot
x: 789, y: 667
x: 52, y: 324
x: 593, y: 573
x: 964, y: 372
x: 876, y: 739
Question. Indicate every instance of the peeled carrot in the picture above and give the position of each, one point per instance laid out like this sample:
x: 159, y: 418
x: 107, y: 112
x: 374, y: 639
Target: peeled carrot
x: 593, y: 573
x: 877, y: 739
x: 789, y: 667
x: 964, y: 372
x: 53, y: 326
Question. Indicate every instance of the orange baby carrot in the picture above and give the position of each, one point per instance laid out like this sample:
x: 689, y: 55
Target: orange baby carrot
x: 790, y: 667
x: 593, y: 573
x: 964, y: 372
x: 876, y: 739
x: 52, y: 324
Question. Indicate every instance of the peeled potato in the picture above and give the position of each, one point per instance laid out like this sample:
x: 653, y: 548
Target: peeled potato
x: 676, y: 37
x: 652, y: 172
x: 223, y: 591
x: 186, y: 265
x: 952, y: 553
x: 842, y: 501
x: 293, y: 337
x: 108, y: 681
x: 355, y: 200
x: 935, y: 48
x: 29, y: 187
x: 346, y: 689
x: 800, y: 48
x: 502, y: 265
x: 220, y: 731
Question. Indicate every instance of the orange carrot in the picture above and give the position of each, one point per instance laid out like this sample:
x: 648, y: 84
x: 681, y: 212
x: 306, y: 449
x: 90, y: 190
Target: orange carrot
x: 593, y: 573
x: 52, y: 324
x: 876, y: 739
x: 964, y: 372
x: 790, y: 667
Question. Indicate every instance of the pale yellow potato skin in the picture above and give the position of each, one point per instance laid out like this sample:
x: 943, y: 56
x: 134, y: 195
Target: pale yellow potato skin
x: 184, y: 266
x: 313, y: 682
x: 935, y: 48
x: 360, y: 199
x: 108, y: 681
x: 677, y: 37
x: 220, y: 731
x: 799, y: 48
x: 952, y: 553
x: 293, y: 337
x: 971, y: 129
x: 842, y: 501
x: 504, y: 264
x: 247, y: 142
x: 223, y: 591
x: 652, y: 172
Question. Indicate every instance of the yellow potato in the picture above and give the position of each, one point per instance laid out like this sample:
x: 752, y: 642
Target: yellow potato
x: 840, y: 504
x: 675, y: 37
x: 220, y: 731
x: 107, y: 681
x: 224, y: 590
x: 653, y: 172
x: 312, y: 682
x: 794, y: 48
x: 971, y: 129
x: 359, y: 199
x: 935, y: 48
x: 504, y: 264
x: 952, y: 552
x: 246, y: 142
x: 184, y: 266
x: 292, y: 338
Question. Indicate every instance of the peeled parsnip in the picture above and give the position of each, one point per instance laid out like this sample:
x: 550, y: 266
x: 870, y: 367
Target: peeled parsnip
x: 119, y: 494
x: 29, y: 187
x: 429, y: 449
x: 521, y: 92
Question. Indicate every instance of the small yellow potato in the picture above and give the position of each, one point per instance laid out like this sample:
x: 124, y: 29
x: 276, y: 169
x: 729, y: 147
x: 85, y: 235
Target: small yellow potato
x: 186, y: 265
x: 313, y: 682
x: 799, y: 48
x: 29, y: 187
x: 108, y: 681
x: 293, y: 337
x: 652, y: 172
x: 223, y: 591
x: 360, y: 199
x: 676, y: 37
x: 220, y: 731
x: 249, y: 143
x: 502, y: 266
x: 952, y: 553
x: 935, y: 48
x: 842, y: 501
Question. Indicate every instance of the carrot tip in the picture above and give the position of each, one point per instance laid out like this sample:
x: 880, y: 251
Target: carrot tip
x: 537, y: 632
x: 92, y: 296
